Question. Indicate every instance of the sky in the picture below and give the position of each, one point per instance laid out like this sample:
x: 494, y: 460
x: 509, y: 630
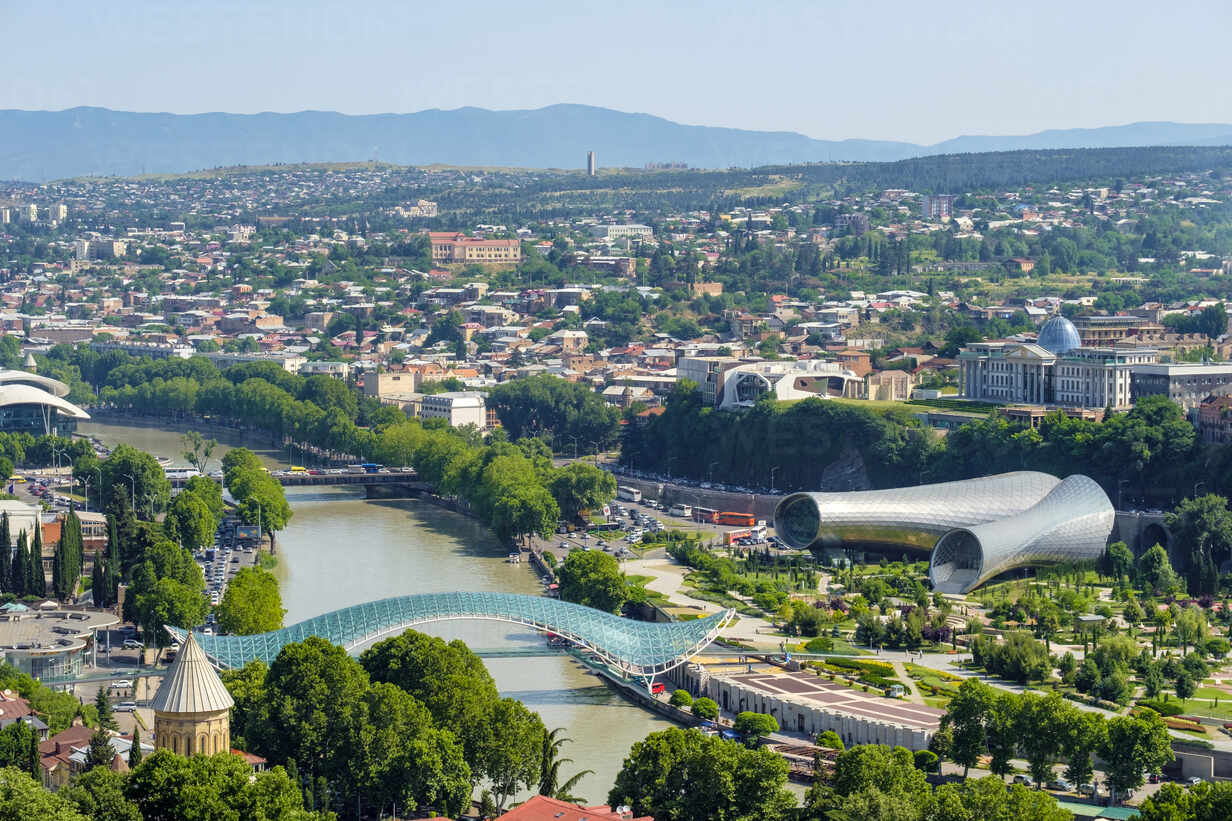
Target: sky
x: 831, y: 69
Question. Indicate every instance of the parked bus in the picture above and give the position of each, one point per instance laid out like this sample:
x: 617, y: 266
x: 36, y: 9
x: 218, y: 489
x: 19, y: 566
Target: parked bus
x: 736, y: 519
x: 757, y: 533
x: 629, y: 494
x: 705, y: 514
x: 684, y: 511
x: 371, y: 467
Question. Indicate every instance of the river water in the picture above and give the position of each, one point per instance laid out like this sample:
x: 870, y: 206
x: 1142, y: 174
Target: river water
x: 340, y: 549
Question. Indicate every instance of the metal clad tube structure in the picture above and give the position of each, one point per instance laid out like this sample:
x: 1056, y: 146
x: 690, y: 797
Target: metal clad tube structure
x: 913, y: 517
x: 1071, y: 523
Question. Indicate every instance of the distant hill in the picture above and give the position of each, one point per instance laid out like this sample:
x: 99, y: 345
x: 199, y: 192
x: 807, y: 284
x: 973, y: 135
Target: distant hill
x: 42, y: 145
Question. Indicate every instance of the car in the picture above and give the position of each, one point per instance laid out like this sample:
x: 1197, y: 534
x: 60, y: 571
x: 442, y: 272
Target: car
x: 1153, y: 778
x: 1089, y: 789
x: 125, y: 707
x: 564, y: 545
x: 132, y: 644
x: 1060, y: 785
x: 1024, y: 780
x: 122, y: 684
x: 1193, y: 781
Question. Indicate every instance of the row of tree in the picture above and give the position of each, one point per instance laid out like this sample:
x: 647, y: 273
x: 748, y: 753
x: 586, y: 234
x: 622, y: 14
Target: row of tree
x: 1044, y: 730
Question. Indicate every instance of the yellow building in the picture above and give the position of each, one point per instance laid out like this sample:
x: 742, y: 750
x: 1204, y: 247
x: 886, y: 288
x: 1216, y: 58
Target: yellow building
x: 192, y: 708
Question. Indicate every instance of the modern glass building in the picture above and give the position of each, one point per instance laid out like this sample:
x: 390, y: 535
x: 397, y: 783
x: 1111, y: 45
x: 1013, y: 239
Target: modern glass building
x: 975, y: 528
x: 911, y: 517
x: 35, y: 404
x: 1070, y: 524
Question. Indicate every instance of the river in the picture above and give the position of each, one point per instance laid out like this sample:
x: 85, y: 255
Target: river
x: 341, y: 549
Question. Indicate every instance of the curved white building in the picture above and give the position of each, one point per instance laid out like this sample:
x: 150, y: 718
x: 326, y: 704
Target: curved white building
x: 34, y: 404
x: 1070, y: 524
x: 744, y: 384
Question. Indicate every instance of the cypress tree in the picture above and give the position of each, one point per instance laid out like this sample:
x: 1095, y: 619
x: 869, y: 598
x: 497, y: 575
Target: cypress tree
x: 36, y: 769
x: 98, y: 581
x: 59, y: 585
x: 19, y: 577
x: 38, y: 579
x: 6, y: 554
x: 134, y: 752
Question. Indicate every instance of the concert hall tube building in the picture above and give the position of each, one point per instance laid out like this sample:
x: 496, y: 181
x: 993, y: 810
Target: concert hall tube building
x: 1070, y: 524
x: 975, y: 528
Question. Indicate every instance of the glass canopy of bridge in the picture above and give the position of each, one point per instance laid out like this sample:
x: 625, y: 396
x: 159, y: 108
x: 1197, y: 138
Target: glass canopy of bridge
x: 635, y: 648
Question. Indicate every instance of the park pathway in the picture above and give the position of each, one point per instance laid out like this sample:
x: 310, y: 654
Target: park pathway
x: 913, y: 691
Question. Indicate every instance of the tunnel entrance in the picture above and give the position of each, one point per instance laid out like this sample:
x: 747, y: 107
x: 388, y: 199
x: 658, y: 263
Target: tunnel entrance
x: 956, y: 562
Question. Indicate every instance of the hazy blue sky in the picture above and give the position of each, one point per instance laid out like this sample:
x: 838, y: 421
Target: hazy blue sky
x: 887, y: 70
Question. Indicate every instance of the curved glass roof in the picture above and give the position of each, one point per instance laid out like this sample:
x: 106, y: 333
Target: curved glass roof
x: 634, y: 647
x: 1059, y: 335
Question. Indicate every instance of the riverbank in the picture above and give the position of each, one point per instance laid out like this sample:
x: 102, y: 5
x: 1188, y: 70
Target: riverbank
x: 340, y: 549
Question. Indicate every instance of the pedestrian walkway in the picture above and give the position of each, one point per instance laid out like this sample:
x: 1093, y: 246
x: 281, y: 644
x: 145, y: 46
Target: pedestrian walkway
x: 913, y: 692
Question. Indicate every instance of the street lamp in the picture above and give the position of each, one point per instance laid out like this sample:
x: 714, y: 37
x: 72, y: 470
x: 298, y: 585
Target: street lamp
x: 597, y: 445
x: 772, y: 471
x: 1120, y: 484
x: 711, y: 470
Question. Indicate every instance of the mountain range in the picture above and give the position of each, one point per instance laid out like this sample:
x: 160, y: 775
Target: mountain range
x: 43, y: 145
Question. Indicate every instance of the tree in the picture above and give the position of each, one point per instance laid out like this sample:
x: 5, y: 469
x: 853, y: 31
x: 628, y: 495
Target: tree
x: 988, y: 799
x: 1134, y: 745
x: 99, y: 795
x: 167, y: 588
x: 15, y: 745
x: 582, y: 487
x: 1041, y: 726
x: 1084, y: 735
x: 6, y: 554
x: 1185, y: 686
x: 752, y: 727
x: 1120, y: 561
x: 102, y: 703
x: 190, y: 521
x: 137, y: 474
x: 593, y: 578
x: 1155, y: 573
x: 1190, y: 627
x: 447, y: 678
x: 965, y: 715
x: 135, y: 752
x: 203, y: 788
x: 887, y: 769
x: 252, y: 603
x: 512, y: 758
x: 1204, y: 526
x: 247, y: 688
x: 1201, y: 802
x: 680, y: 698
x: 830, y: 740
x: 549, y: 768
x: 19, y: 572
x: 705, y: 709
x: 312, y: 697
x: 24, y: 799
x: 100, y: 752
x: 198, y: 450
x: 683, y: 775
x: 261, y: 499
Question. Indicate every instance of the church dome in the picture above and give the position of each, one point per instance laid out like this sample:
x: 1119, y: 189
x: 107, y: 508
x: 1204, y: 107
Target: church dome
x: 1059, y: 335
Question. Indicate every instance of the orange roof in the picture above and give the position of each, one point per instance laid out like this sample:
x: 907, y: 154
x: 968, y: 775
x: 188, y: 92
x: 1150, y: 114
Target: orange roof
x: 542, y: 808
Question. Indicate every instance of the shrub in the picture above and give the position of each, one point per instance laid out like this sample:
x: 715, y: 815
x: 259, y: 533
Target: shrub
x: 821, y: 644
x: 681, y: 698
x: 1164, y: 708
x: 705, y: 708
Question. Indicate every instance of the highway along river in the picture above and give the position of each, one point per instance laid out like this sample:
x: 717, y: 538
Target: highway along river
x: 341, y: 549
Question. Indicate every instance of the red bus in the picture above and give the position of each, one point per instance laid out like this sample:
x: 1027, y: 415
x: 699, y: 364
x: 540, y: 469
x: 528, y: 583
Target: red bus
x: 705, y: 514
x: 736, y: 519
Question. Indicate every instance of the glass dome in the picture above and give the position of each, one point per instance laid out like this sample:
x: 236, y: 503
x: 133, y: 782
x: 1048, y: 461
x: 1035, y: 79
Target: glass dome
x: 1059, y: 335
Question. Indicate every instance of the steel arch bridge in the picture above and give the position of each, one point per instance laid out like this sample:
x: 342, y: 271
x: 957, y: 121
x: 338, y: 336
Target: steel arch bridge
x: 635, y: 648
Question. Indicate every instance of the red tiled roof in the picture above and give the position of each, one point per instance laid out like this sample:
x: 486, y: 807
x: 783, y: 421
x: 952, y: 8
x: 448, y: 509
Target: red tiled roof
x: 542, y: 808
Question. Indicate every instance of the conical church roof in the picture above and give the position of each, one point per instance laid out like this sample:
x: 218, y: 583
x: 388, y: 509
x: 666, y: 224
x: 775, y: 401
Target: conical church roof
x: 191, y: 684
